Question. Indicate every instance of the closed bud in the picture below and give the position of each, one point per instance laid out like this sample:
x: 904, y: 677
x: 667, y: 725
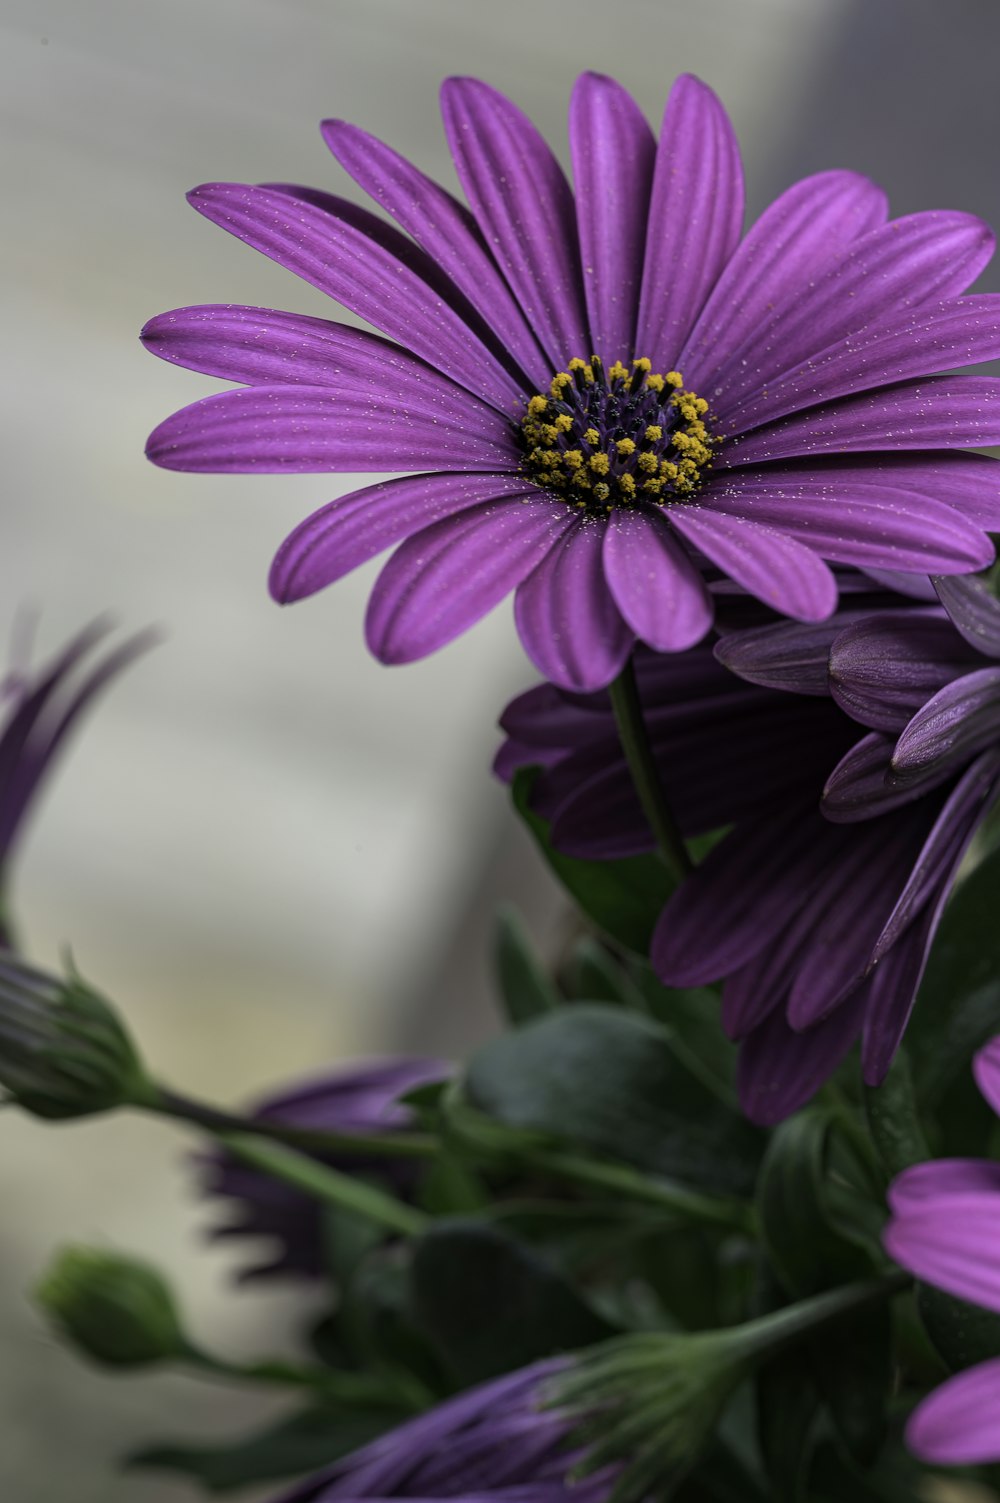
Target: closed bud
x: 113, y: 1309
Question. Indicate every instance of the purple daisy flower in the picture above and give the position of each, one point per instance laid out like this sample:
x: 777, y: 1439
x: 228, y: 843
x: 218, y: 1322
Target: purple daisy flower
x: 360, y: 1098
x: 603, y: 390
x: 495, y: 1441
x: 42, y: 709
x: 945, y: 1228
x: 819, y: 922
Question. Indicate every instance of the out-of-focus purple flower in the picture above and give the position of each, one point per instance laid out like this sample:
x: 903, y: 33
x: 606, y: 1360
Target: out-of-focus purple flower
x: 495, y: 1441
x: 607, y: 389
x: 42, y: 707
x: 359, y: 1098
x: 820, y: 930
x: 945, y: 1228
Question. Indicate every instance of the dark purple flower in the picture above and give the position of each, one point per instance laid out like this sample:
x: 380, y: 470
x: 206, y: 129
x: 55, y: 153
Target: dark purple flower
x: 494, y: 1442
x: 945, y: 1228
x: 359, y: 1098
x: 605, y: 390
x: 42, y: 707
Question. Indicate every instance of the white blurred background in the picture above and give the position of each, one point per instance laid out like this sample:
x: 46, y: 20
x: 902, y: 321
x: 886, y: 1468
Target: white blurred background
x: 270, y: 850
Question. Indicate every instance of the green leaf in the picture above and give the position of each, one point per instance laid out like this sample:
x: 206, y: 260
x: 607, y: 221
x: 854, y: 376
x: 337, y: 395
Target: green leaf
x: 526, y: 990
x: 595, y: 976
x: 489, y: 1304
x: 624, y: 898
x: 963, y: 1334
x: 302, y: 1442
x: 618, y: 1084
x: 787, y: 1404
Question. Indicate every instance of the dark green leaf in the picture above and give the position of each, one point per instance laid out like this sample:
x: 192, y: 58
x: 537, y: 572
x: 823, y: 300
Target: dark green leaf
x: 488, y: 1304
x: 694, y: 1014
x: 593, y: 975
x: 624, y: 898
x: 448, y: 1187
x: 964, y: 1334
x: 894, y: 1120
x: 302, y: 1442
x: 618, y: 1084
x: 897, y: 1479
x: 526, y: 990
x: 787, y: 1403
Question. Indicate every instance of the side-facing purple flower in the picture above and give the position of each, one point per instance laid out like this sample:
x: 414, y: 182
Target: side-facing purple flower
x: 605, y: 389
x: 945, y: 1228
x: 42, y: 708
x: 356, y: 1099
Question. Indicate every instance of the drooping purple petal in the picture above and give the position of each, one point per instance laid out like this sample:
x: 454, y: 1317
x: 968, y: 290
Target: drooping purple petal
x: 443, y: 579
x: 916, y: 1188
x: 986, y: 1069
x: 613, y: 155
x: 960, y: 720
x: 314, y: 429
x: 859, y: 788
x: 524, y: 207
x: 974, y: 611
x: 898, y: 347
x: 769, y: 564
x: 546, y: 716
x: 939, y: 413
x: 695, y: 218
x: 779, y: 1070
x: 916, y: 261
x: 369, y: 267
x: 793, y: 656
x: 892, y: 992
x: 953, y: 1242
x: 566, y: 616
x: 959, y: 1423
x: 788, y: 248
x: 913, y: 586
x: 446, y: 231
x: 654, y: 583
x: 884, y: 667
x: 849, y: 523
x: 349, y: 531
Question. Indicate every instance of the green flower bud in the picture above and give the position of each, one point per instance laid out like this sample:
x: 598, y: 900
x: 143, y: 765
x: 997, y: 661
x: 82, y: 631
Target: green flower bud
x: 63, y: 1050
x: 115, y: 1310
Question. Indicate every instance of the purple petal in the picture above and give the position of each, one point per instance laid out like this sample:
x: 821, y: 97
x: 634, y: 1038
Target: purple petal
x: 613, y: 155
x: 349, y: 531
x: 442, y: 580
x: 566, y: 616
x: 986, y: 1069
x: 654, y: 584
x: 770, y: 565
x: 959, y: 1423
x: 793, y: 656
x: 974, y: 610
x: 884, y: 667
x: 943, y: 412
x: 917, y: 1187
x: 859, y: 787
x: 524, y: 207
x: 545, y: 716
x: 780, y: 1070
x: 785, y: 252
x: 849, y: 523
x: 942, y: 851
x: 892, y: 992
x: 953, y: 1242
x: 695, y: 218
x: 913, y: 586
x: 962, y: 719
x: 446, y: 231
x: 371, y: 269
x: 740, y: 898
x: 970, y: 482
x: 909, y: 263
x: 904, y: 344
x: 316, y: 429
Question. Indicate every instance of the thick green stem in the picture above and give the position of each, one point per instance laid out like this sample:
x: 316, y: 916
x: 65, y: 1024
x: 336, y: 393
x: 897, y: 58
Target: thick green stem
x: 770, y: 1333
x: 645, y: 773
x: 631, y: 1185
x: 325, y: 1184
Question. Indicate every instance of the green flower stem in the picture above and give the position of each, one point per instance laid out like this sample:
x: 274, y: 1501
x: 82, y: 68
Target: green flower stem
x: 325, y: 1184
x: 408, y: 1145
x: 628, y: 1183
x: 645, y: 774
x: 772, y: 1333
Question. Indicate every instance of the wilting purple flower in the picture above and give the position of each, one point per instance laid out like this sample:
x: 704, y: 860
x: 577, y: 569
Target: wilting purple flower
x: 945, y: 1228
x: 42, y: 709
x: 362, y: 1099
x: 605, y: 390
x: 820, y: 930
x: 495, y: 1441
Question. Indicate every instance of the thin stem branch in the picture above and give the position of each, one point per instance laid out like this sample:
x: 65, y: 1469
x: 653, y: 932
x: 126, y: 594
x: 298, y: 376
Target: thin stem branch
x: 645, y: 773
x: 624, y: 1181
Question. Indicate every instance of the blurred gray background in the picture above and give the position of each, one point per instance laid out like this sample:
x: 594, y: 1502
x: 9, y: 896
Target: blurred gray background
x: 273, y: 852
